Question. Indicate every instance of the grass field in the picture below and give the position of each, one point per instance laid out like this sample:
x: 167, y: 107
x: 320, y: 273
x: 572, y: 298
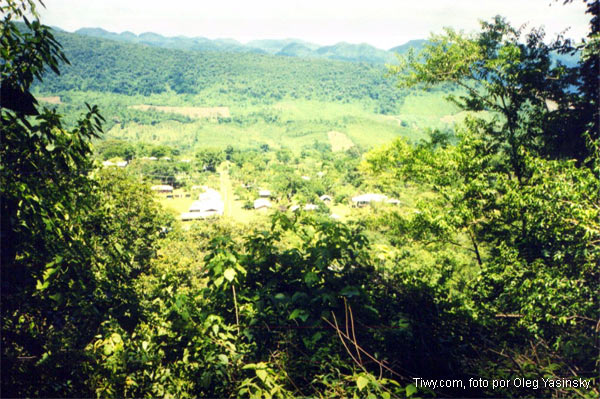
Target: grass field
x: 290, y: 123
x: 339, y: 141
x: 50, y: 99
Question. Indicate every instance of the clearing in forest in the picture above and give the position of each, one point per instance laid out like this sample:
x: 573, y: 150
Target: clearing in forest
x: 192, y: 112
x: 339, y: 141
x: 50, y: 100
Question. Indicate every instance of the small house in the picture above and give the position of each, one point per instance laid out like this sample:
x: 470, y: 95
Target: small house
x: 264, y: 194
x: 203, y: 209
x: 262, y: 203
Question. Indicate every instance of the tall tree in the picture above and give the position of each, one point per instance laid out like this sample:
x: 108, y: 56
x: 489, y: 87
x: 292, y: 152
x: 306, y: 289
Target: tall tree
x: 66, y: 262
x: 517, y: 78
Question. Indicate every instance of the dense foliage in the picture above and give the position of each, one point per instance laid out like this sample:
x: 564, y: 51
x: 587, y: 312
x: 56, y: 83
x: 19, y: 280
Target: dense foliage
x: 487, y: 269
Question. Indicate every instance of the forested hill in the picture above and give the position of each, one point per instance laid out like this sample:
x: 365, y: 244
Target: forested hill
x: 126, y: 68
x: 340, y: 51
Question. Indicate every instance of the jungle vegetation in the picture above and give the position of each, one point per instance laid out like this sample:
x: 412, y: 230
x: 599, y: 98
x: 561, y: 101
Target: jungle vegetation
x: 486, y: 270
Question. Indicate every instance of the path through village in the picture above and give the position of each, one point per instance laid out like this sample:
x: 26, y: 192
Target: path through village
x: 226, y: 190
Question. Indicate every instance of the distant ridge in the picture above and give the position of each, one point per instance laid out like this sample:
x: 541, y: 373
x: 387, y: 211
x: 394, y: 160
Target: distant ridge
x: 274, y: 46
x: 417, y: 44
x: 356, y: 52
x: 179, y: 42
x: 282, y: 47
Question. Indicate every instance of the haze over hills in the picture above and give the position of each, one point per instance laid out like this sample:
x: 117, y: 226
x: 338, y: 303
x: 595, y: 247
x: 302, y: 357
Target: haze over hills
x: 287, y: 47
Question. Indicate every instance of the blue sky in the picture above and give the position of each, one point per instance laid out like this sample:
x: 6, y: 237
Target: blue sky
x: 381, y: 23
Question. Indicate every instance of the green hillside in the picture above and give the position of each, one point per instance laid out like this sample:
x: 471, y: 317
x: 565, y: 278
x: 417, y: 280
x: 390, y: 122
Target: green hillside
x: 124, y: 68
x: 167, y: 96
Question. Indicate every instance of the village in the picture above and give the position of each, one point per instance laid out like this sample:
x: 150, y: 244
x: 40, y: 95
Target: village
x: 210, y: 203
x: 250, y: 185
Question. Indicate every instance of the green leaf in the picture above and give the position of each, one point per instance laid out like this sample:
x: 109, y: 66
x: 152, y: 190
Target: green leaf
x: 262, y: 374
x: 48, y: 273
x: 42, y: 286
x: 223, y: 358
x: 411, y: 389
x: 311, y: 278
x: 229, y: 274
x: 362, y: 382
x: 298, y: 313
x: 349, y: 291
x: 56, y: 297
x: 280, y: 296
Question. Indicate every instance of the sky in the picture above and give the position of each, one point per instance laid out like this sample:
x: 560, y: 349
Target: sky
x: 382, y: 23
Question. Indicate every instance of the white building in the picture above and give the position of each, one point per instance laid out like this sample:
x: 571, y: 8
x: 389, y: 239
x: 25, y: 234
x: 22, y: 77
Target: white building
x: 262, y: 203
x: 203, y: 209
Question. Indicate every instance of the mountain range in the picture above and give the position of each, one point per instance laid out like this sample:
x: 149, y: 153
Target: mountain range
x: 285, y: 47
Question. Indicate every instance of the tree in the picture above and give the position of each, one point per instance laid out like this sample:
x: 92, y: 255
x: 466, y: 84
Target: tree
x: 64, y: 269
x: 506, y: 194
x: 209, y: 159
x: 108, y: 149
x: 517, y: 79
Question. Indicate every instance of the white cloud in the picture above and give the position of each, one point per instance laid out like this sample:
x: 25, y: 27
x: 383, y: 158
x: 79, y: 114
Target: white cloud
x: 381, y: 23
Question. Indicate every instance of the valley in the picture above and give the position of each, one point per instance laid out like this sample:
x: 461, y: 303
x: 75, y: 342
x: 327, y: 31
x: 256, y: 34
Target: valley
x: 185, y: 217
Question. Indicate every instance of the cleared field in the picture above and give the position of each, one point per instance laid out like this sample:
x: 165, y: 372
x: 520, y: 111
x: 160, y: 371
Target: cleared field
x: 192, y: 112
x: 179, y: 204
x: 456, y: 118
x: 50, y: 100
x: 339, y: 141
